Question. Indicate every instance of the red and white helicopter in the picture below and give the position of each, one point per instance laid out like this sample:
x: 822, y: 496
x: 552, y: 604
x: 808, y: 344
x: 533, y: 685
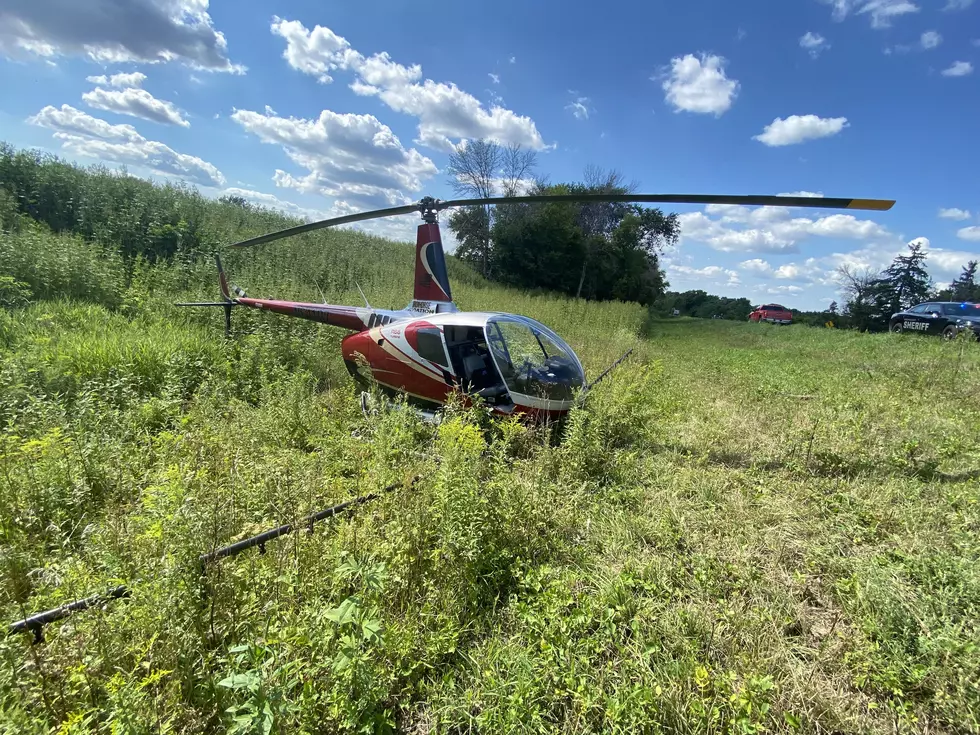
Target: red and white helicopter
x: 430, y: 349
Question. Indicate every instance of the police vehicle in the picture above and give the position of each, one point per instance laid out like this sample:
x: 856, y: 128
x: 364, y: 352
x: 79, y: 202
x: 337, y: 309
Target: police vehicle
x: 945, y: 318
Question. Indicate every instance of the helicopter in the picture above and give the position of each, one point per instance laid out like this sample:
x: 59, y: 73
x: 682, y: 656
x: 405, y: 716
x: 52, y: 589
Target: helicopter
x: 431, y: 349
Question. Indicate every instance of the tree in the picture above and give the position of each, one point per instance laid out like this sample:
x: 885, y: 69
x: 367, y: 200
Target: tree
x: 965, y: 287
x: 546, y: 245
x: 867, y: 298
x: 537, y: 245
x: 483, y: 169
x: 906, y: 279
x: 832, y: 309
x: 235, y: 200
x: 703, y: 305
x: 598, y: 219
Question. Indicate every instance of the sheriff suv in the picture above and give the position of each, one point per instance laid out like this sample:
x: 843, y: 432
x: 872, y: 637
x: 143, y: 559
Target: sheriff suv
x: 773, y: 313
x: 946, y: 318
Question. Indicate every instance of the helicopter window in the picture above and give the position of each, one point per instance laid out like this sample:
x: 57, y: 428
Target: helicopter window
x: 533, y: 363
x: 430, y: 346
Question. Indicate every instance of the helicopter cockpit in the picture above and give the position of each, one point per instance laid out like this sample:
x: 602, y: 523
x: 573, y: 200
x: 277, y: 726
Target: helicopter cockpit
x: 532, y: 360
x: 513, y: 355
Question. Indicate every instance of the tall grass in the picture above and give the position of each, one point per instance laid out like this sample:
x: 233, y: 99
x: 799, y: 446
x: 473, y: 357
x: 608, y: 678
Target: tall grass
x: 746, y: 529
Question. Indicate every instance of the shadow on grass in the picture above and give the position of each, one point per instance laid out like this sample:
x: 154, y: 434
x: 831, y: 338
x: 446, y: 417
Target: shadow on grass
x: 819, y: 464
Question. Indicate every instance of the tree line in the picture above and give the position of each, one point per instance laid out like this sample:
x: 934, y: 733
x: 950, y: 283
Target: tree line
x: 595, y: 251
x: 590, y: 250
x: 702, y: 305
x: 871, y: 297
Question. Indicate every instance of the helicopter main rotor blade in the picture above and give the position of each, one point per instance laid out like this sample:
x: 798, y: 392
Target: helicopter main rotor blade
x: 755, y: 201
x: 428, y: 206
x: 310, y: 226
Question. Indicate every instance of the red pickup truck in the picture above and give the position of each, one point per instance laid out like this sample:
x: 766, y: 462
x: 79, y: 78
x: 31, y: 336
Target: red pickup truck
x: 773, y: 313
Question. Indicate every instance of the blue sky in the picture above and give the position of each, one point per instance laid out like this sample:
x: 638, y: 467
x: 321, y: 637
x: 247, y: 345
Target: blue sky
x: 325, y: 110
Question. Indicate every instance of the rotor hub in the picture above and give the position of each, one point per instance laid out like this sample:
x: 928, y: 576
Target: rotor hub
x: 429, y: 209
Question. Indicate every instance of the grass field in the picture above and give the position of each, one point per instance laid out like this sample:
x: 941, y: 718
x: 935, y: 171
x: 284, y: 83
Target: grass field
x: 748, y: 529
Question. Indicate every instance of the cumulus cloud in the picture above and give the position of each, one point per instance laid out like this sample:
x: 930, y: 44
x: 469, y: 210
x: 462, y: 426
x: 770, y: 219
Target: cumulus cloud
x: 714, y: 273
x: 800, y: 128
x: 787, y: 271
x: 969, y: 233
x: 772, y: 229
x: 881, y: 12
x: 135, y: 102
x: 814, y: 43
x: 816, y: 273
x: 958, y: 69
x: 354, y: 158
x: 148, y: 31
x: 126, y: 79
x: 91, y: 137
x: 446, y: 113
x: 930, y: 39
x: 954, y: 213
x: 700, y: 85
x: 273, y: 202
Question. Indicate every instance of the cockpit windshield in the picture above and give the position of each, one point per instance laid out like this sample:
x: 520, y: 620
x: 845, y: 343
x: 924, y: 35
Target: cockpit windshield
x: 533, y: 360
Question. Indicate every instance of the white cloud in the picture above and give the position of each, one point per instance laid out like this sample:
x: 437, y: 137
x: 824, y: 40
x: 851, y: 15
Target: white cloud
x: 941, y: 264
x: 714, y: 273
x: 270, y: 111
x: 816, y: 273
x: 495, y: 78
x: 513, y: 60
x: 814, y: 43
x: 113, y: 31
x: 772, y: 229
x: 756, y: 265
x: 930, y: 39
x: 273, y: 202
x: 130, y: 79
x: 84, y: 135
x: 881, y: 12
x: 969, y: 233
x: 446, y: 113
x: 957, y: 5
x: 579, y: 108
x: 958, y: 69
x: 354, y: 158
x: 135, y: 102
x: 954, y: 213
x: 700, y: 85
x: 800, y: 128
x: 315, y: 52
x: 786, y: 272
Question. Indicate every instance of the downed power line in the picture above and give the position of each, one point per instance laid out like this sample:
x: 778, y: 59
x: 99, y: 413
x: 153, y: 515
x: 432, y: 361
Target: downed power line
x: 35, y: 623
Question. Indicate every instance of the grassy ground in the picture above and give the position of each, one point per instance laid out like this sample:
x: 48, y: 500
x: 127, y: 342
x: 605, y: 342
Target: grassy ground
x: 749, y: 528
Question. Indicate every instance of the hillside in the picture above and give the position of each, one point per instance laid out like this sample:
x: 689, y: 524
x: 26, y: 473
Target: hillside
x: 748, y: 528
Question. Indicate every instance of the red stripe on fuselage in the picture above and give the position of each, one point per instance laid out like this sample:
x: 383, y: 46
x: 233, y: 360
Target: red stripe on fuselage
x: 338, y: 316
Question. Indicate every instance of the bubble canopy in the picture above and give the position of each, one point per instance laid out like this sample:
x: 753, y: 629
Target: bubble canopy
x: 533, y: 360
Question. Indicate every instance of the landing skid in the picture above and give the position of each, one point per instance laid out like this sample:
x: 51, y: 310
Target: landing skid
x: 370, y: 405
